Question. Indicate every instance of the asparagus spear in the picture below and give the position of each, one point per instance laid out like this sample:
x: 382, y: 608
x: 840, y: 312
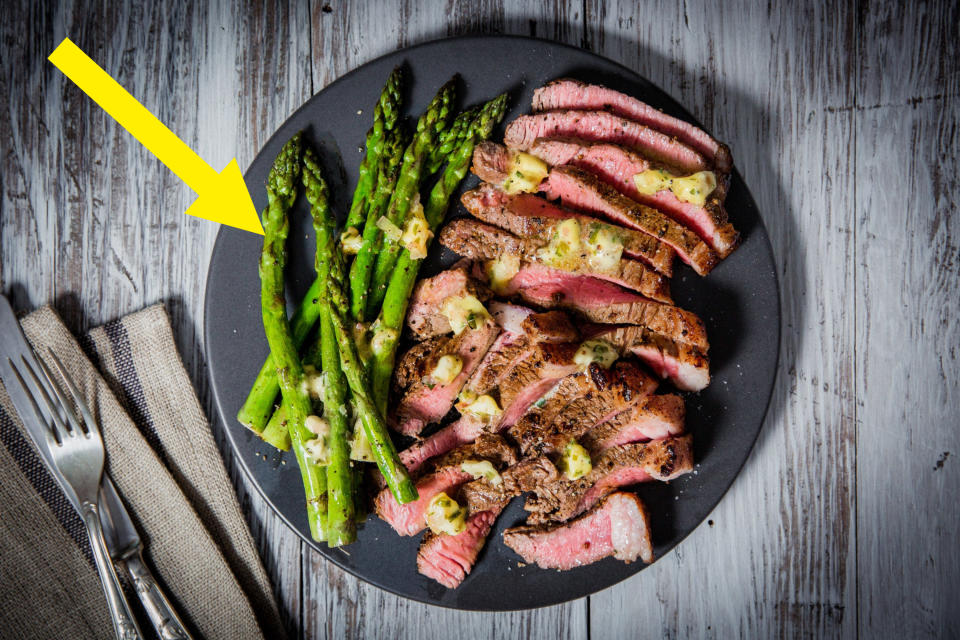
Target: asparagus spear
x: 430, y: 126
x: 386, y: 330
x: 341, y: 527
x: 362, y: 267
x: 259, y: 405
x: 281, y: 193
x: 385, y: 115
x: 459, y: 131
x: 372, y: 420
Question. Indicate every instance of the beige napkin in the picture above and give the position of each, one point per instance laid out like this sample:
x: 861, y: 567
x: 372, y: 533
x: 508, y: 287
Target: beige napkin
x: 163, y: 459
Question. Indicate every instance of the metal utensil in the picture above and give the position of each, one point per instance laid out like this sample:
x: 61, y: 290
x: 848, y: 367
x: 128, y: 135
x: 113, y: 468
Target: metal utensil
x: 74, y: 448
x: 126, y: 547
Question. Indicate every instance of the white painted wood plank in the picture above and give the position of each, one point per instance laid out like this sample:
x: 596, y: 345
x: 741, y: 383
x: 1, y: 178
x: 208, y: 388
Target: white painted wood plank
x: 907, y: 323
x: 779, y: 556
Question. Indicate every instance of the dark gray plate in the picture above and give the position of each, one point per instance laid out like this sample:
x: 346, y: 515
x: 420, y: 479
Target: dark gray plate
x: 738, y: 301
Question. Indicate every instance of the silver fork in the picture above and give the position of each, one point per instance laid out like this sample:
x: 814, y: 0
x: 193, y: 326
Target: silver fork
x: 76, y: 450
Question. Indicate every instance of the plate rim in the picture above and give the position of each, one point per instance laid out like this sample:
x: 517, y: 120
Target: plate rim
x: 328, y: 553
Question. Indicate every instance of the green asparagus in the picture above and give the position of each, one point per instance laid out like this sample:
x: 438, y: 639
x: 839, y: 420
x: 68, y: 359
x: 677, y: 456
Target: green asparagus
x: 259, y: 404
x: 372, y: 420
x: 281, y: 192
x: 460, y: 130
x: 430, y: 127
x: 386, y: 330
x: 341, y: 526
x: 385, y: 116
x: 362, y: 267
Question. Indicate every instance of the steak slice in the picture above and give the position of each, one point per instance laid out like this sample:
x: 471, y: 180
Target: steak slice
x: 449, y: 559
x: 615, y: 390
x: 426, y: 402
x: 602, y: 302
x: 479, y: 241
x: 653, y: 418
x: 566, y: 93
x: 603, y: 126
x: 463, y: 431
x: 511, y: 348
x: 582, y: 190
x: 408, y: 519
x: 423, y: 315
x: 614, y: 468
x: 535, y: 375
x: 530, y: 216
x: 617, y: 166
x: 445, y: 476
x: 685, y: 365
x: 620, y: 527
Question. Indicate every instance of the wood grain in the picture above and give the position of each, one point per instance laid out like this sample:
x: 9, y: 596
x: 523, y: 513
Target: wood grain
x: 801, y: 472
x: 907, y: 260
x: 842, y: 119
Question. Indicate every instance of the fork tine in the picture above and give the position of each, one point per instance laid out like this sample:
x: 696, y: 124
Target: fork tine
x: 91, y: 425
x: 52, y: 434
x: 62, y: 397
x: 63, y: 429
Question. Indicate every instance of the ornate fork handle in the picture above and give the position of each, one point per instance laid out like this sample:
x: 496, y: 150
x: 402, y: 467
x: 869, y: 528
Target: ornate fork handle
x: 123, y: 621
x: 158, y: 606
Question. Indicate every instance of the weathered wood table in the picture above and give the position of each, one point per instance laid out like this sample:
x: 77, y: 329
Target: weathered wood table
x: 843, y: 122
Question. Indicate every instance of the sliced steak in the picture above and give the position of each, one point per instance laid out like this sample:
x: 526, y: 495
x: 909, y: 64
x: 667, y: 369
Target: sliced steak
x: 535, y: 375
x: 620, y: 527
x: 617, y: 166
x: 423, y: 315
x: 445, y: 476
x: 602, y: 126
x: 510, y: 317
x: 530, y: 216
x: 614, y: 390
x: 566, y: 93
x: 412, y: 365
x: 408, y: 519
x: 617, y: 467
x: 425, y: 401
x: 463, y: 431
x: 685, y: 365
x: 602, y: 302
x: 449, y: 559
x: 653, y: 418
x: 548, y: 408
x: 582, y: 190
x: 511, y: 348
x: 479, y: 241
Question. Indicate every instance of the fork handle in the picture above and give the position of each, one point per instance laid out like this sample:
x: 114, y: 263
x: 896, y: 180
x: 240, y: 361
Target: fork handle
x: 124, y: 623
x: 164, y: 617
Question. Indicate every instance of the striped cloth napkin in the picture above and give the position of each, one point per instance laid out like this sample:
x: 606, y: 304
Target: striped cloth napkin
x: 163, y: 459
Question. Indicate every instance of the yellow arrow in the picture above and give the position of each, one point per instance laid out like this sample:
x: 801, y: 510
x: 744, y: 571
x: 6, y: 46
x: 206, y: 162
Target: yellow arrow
x: 221, y: 197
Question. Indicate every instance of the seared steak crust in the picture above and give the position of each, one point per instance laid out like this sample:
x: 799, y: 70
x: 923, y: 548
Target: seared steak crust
x: 617, y: 166
x: 529, y: 216
x: 479, y: 241
x: 577, y: 188
x: 620, y: 466
x: 653, y: 418
x: 566, y: 93
x: 615, y: 390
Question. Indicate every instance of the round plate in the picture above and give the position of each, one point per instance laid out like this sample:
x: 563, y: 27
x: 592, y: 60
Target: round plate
x: 738, y: 301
